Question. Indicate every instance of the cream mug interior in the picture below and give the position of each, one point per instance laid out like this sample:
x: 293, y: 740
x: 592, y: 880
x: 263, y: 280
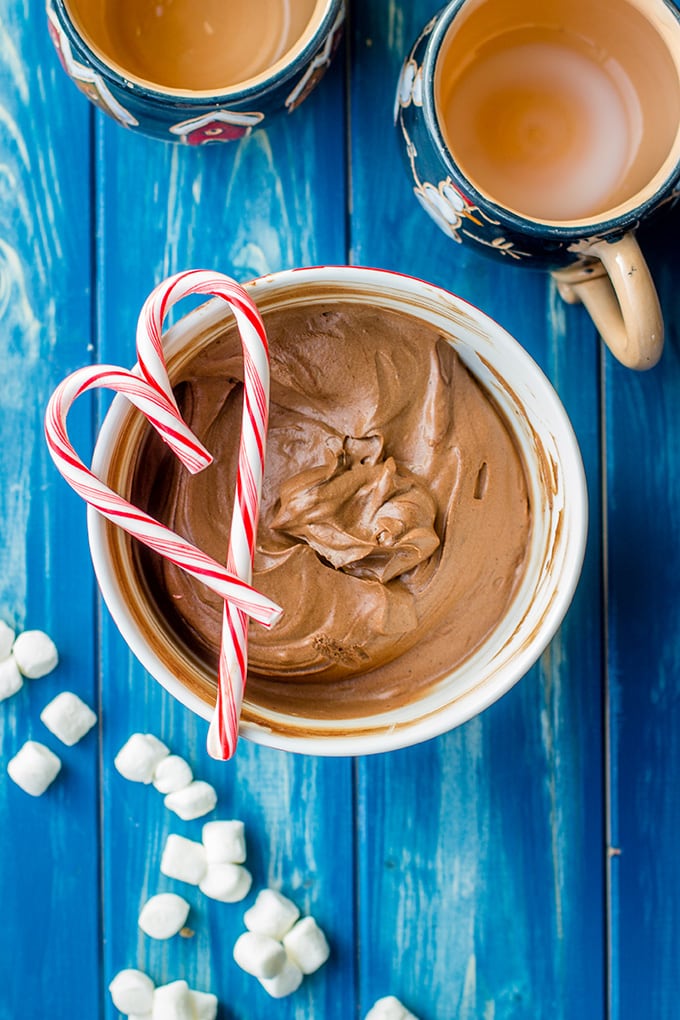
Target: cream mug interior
x: 561, y: 112
x: 557, y: 496
x: 196, y: 47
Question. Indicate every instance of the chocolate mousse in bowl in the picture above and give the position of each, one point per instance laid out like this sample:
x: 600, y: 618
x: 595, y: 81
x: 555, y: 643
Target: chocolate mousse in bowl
x: 422, y: 523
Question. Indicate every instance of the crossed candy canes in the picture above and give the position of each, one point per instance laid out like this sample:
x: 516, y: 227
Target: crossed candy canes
x: 277, y: 948
x: 148, y: 388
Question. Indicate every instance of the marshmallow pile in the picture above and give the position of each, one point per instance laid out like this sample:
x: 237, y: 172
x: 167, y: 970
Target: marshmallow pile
x: 389, y: 1008
x: 33, y: 654
x: 215, y: 865
x: 279, y: 948
x: 134, y: 993
x: 146, y: 759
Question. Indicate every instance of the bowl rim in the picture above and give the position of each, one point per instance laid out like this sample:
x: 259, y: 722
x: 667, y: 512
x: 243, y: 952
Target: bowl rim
x: 572, y: 538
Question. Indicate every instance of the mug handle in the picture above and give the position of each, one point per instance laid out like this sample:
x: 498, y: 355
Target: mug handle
x: 619, y: 293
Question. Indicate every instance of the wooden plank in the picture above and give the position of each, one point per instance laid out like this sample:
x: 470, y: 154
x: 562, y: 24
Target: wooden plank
x: 49, y: 849
x: 273, y: 201
x: 480, y: 867
x: 643, y: 494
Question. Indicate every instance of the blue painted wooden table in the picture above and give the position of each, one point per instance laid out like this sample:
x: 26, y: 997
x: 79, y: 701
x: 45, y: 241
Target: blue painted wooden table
x: 523, y: 866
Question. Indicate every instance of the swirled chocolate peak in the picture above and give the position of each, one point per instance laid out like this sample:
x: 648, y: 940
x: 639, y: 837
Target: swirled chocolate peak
x: 394, y: 518
x: 360, y: 513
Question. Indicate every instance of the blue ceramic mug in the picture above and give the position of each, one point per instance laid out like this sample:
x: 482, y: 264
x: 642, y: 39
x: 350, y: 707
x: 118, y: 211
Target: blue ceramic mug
x: 543, y: 132
x: 195, y: 71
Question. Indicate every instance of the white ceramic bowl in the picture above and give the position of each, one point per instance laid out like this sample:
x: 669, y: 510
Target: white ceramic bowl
x: 557, y: 494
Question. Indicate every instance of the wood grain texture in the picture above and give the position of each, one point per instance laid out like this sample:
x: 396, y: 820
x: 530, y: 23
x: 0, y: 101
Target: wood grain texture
x: 643, y: 489
x: 466, y: 876
x: 48, y: 848
x: 273, y: 201
x: 481, y: 866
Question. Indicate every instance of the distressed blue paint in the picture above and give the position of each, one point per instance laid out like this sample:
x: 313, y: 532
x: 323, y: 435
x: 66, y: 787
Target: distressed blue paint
x: 643, y: 483
x: 481, y: 869
x: 467, y: 875
x: 275, y: 200
x: 49, y: 941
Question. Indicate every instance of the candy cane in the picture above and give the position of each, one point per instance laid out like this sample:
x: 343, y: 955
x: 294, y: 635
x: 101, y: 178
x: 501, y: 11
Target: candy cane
x: 152, y: 394
x: 233, y: 661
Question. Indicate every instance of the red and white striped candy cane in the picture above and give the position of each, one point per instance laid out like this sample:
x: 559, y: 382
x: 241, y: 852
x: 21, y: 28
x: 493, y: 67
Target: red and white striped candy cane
x: 153, y: 395
x: 118, y: 510
x: 233, y: 661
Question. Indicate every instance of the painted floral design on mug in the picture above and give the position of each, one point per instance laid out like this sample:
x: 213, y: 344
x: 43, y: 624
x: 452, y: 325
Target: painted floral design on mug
x: 410, y: 86
x: 88, y: 81
x: 512, y: 150
x: 163, y: 92
x: 223, y: 126
x: 446, y: 205
x: 444, y: 201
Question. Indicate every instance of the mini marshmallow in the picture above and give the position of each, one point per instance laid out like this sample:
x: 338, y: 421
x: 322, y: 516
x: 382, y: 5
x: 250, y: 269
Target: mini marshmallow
x: 161, y: 749
x: 11, y: 679
x: 194, y: 801
x: 183, y: 859
x: 259, y: 955
x: 139, y: 757
x: 7, y: 637
x: 229, y: 883
x: 34, y: 767
x: 271, y: 914
x: 225, y: 842
x: 163, y: 915
x: 389, y: 1008
x: 287, y: 981
x: 132, y: 992
x: 173, y: 1002
x: 68, y: 718
x: 36, y: 653
x: 204, y: 1004
x: 306, y: 945
x: 172, y: 773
